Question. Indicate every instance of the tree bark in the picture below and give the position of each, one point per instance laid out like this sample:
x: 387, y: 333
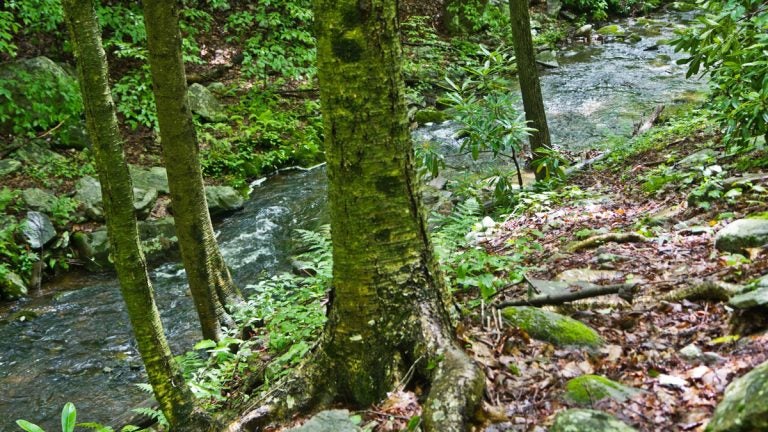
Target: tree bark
x: 387, y: 307
x: 175, y: 398
x: 530, y: 87
x: 209, y: 279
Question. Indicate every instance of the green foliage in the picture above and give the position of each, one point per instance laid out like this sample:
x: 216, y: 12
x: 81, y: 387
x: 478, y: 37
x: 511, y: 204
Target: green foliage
x: 276, y: 38
x: 135, y: 99
x: 600, y: 9
x: 731, y: 44
x: 472, y: 268
x: 37, y: 16
x: 56, y: 169
x: 14, y: 257
x: 262, y: 136
x: 8, y: 28
x: 68, y: 418
x: 29, y: 110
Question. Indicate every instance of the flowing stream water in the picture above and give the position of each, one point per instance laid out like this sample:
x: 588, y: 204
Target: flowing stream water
x: 79, y: 348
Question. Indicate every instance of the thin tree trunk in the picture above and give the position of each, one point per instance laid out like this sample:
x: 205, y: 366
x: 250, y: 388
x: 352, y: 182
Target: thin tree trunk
x: 209, y: 279
x: 530, y: 87
x: 174, y: 396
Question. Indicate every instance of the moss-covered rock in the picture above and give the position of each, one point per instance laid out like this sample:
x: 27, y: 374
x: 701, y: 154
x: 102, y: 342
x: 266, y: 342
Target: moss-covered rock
x: 739, y: 235
x: 551, y: 327
x: 745, y: 404
x: 429, y: 115
x: 583, y: 420
x: 12, y: 287
x: 588, y: 389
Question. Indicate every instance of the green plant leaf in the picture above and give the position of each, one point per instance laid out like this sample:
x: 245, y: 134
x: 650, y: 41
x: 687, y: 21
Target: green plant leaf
x: 68, y: 417
x: 29, y: 427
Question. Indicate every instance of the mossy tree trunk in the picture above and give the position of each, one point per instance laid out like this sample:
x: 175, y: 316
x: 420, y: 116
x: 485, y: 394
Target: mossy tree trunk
x: 387, y: 307
x: 530, y: 86
x: 209, y: 279
x: 175, y: 398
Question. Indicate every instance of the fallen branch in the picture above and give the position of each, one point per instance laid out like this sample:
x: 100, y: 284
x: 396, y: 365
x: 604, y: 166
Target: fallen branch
x: 605, y: 238
x: 646, y: 125
x: 625, y: 291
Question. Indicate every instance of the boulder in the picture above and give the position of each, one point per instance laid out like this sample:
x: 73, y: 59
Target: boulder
x: 554, y: 7
x: 754, y: 298
x: 73, y: 136
x: 152, y: 178
x: 88, y: 192
x: 584, y: 420
x: 745, y: 404
x: 548, y: 58
x: 38, y: 199
x: 203, y: 103
x: 329, y: 421
x: 588, y: 275
x: 144, y: 201
x: 12, y: 287
x: 222, y: 200
x: 35, y: 82
x: 37, y: 229
x: 588, y: 389
x: 36, y: 154
x: 741, y: 234
x: 9, y: 166
x: 158, y: 237
x: 584, y: 30
x: 611, y: 30
x: 548, y: 326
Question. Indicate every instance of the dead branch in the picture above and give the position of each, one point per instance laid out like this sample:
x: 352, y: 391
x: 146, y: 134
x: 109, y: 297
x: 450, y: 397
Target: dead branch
x: 648, y: 123
x: 625, y: 291
x: 600, y: 239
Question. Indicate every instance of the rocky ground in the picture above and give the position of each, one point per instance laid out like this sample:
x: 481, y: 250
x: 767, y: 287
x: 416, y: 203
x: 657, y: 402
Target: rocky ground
x: 688, y: 333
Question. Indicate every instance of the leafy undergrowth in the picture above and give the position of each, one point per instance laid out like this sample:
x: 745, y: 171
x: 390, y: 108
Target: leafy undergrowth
x: 678, y: 205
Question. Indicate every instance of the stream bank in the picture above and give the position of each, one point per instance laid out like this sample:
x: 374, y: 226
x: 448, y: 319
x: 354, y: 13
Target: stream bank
x: 78, y: 348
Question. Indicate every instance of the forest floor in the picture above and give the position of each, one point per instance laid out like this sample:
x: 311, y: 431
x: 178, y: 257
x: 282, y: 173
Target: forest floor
x: 526, y: 378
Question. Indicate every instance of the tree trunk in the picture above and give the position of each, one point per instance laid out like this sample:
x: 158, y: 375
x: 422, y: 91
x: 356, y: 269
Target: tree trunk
x: 174, y: 396
x: 209, y: 279
x: 387, y: 305
x: 530, y: 86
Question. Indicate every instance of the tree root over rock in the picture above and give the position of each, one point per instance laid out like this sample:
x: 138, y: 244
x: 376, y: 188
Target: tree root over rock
x: 456, y: 383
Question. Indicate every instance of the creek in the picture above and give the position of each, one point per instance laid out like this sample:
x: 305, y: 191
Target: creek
x: 79, y: 347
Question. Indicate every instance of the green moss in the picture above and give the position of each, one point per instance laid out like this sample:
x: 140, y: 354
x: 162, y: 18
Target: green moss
x: 588, y: 389
x: 761, y: 215
x: 551, y: 327
x: 430, y: 116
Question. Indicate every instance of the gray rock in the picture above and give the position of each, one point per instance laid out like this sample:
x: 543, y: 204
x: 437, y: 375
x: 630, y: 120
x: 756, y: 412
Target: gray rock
x: 158, y: 237
x: 553, y: 7
x: 9, y: 166
x: 691, y: 353
x: 38, y: 199
x: 741, y: 234
x: 588, y: 275
x: 745, y: 404
x: 13, y: 287
x: 203, y: 103
x: 88, y: 192
x: 754, y: 298
x: 762, y: 281
x: 438, y: 182
x: 328, y: 421
x: 34, y: 153
x: 223, y: 199
x: 700, y: 157
x: 548, y: 58
x: 584, y: 30
x: 152, y: 178
x: 144, y: 201
x: 38, y: 229
x: 584, y: 420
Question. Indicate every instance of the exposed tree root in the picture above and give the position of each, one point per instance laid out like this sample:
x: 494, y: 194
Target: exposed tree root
x: 457, y: 386
x: 625, y: 291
